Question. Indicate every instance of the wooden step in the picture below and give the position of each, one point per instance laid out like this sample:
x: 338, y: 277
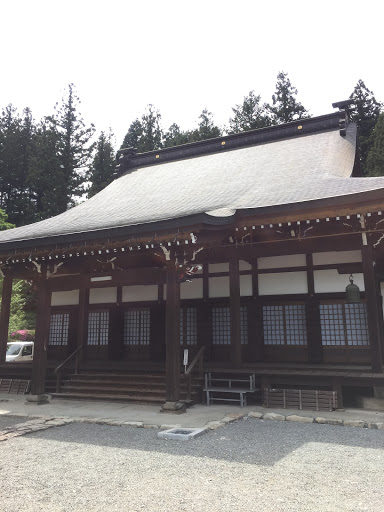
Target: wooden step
x: 122, y: 384
x: 108, y: 397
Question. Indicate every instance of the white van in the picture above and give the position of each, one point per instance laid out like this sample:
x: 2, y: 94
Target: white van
x: 19, y: 351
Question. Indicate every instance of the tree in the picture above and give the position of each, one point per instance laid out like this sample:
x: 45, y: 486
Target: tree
x: 3, y: 221
x: 285, y: 108
x: 10, y: 160
x: 250, y: 115
x: 152, y: 131
x: 365, y: 113
x: 75, y: 148
x: 145, y: 134
x: 133, y: 135
x: 375, y: 158
x: 102, y: 168
x: 23, y: 301
x: 175, y: 136
x: 206, y: 127
x: 46, y: 179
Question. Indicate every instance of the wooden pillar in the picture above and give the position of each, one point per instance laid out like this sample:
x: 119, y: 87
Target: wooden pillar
x: 172, y: 342
x: 116, y: 329
x: 82, y: 325
x: 312, y: 310
x: 4, y: 315
x: 373, y: 305
x: 255, y: 317
x: 234, y: 307
x: 39, y: 364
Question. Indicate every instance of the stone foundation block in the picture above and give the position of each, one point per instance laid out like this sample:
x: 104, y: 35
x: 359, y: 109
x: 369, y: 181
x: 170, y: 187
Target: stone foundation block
x: 137, y: 424
x: 273, y: 416
x: 354, y: 423
x: 329, y: 421
x: 214, y: 425
x: 255, y: 414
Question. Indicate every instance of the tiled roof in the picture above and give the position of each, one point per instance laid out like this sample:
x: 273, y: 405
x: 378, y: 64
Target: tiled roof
x: 293, y: 170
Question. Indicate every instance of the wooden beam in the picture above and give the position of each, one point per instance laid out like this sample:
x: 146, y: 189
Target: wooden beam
x: 39, y: 363
x: 4, y: 315
x: 172, y: 334
x: 234, y: 307
x: 119, y: 278
x: 373, y: 307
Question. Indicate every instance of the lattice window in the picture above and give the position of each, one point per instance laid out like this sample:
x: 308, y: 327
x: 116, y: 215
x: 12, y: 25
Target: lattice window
x: 137, y: 327
x: 356, y: 324
x: 295, y: 324
x: 58, y: 329
x: 244, y: 325
x: 285, y: 324
x: 221, y: 326
x: 98, y: 328
x: 273, y: 323
x: 188, y: 326
x: 344, y: 324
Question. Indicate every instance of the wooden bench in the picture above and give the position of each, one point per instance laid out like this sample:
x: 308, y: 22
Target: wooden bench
x: 222, y: 386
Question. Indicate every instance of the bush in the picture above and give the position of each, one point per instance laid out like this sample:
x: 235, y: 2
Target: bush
x: 22, y: 335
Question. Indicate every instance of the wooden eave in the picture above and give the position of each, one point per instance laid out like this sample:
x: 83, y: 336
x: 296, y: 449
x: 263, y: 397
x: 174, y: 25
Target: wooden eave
x: 179, y: 229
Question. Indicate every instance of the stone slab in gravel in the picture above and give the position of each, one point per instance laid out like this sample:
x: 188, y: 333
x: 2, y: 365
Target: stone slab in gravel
x: 299, y: 419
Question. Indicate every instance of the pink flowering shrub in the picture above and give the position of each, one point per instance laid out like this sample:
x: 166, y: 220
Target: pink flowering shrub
x: 23, y: 335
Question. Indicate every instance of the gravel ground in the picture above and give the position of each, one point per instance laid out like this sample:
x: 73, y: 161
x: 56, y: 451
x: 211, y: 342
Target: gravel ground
x: 8, y: 421
x: 250, y: 465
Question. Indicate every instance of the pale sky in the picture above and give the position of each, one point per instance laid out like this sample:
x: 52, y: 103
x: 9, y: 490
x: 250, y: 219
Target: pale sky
x: 185, y: 57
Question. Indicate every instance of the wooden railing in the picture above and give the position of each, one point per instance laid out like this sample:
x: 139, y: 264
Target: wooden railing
x: 199, y: 358
x: 58, y: 370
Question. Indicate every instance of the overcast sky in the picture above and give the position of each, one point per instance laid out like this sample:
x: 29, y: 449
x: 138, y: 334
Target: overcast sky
x: 183, y: 57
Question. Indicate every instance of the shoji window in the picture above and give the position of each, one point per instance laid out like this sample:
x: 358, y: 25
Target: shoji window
x: 221, y: 325
x: 188, y: 326
x: 98, y: 328
x: 137, y: 327
x: 285, y: 324
x: 344, y: 324
x: 58, y: 329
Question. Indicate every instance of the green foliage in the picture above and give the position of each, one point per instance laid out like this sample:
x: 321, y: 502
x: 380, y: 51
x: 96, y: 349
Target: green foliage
x: 42, y: 165
x: 133, y: 135
x: 145, y: 134
x: 102, y: 168
x: 23, y: 302
x: 249, y: 115
x: 365, y: 113
x: 3, y: 221
x: 285, y: 108
x: 45, y: 177
x: 207, y: 128
x: 75, y: 148
x: 375, y: 158
x: 175, y: 136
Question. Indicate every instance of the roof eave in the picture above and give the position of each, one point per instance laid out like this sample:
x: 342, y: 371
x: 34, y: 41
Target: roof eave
x: 319, y: 208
